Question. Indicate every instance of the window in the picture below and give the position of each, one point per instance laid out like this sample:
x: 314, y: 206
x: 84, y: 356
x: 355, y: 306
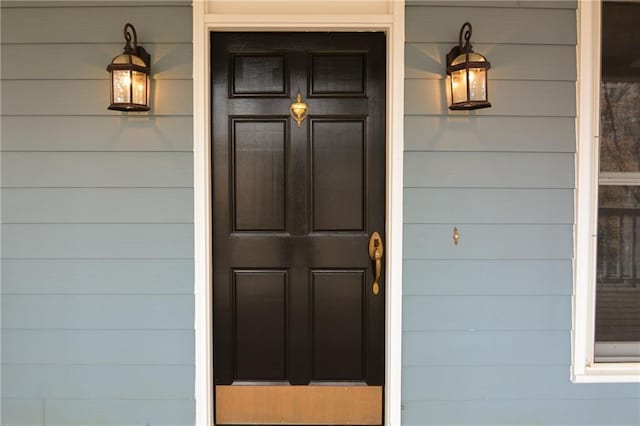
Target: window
x: 606, y: 346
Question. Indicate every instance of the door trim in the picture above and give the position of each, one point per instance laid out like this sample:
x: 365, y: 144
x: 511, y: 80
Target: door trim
x: 393, y: 25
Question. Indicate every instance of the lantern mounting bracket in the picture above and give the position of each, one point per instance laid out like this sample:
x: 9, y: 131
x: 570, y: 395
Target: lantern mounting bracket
x: 139, y: 51
x: 460, y: 49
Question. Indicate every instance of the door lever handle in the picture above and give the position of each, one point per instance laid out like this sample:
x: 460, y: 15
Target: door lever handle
x: 376, y: 250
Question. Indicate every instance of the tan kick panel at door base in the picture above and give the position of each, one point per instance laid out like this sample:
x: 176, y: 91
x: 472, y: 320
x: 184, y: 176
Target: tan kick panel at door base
x: 311, y: 405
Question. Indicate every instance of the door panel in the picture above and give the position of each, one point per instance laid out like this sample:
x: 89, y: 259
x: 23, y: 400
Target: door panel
x: 259, y: 150
x: 258, y: 75
x: 260, y: 318
x: 294, y: 207
x: 338, y: 161
x: 338, y: 74
x: 338, y: 324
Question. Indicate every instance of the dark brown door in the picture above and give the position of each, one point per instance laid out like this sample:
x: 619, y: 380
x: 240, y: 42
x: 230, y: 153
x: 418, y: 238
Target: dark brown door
x: 294, y: 207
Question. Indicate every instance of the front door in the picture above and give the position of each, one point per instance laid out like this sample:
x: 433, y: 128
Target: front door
x: 298, y: 317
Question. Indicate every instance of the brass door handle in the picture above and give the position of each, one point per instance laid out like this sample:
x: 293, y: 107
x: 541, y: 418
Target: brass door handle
x: 376, y: 250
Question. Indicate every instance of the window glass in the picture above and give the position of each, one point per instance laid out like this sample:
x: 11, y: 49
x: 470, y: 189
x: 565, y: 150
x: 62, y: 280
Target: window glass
x: 620, y: 125
x: 618, y: 269
x: 618, y: 250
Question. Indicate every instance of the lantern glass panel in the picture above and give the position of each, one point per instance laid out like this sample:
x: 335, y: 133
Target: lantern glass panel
x: 477, y: 84
x: 459, y: 86
x: 139, y: 88
x: 121, y: 86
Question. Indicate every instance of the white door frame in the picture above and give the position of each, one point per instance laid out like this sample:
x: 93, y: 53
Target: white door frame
x: 392, y: 23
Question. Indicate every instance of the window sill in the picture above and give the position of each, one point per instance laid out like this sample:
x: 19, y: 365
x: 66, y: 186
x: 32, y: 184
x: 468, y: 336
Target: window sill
x: 621, y: 372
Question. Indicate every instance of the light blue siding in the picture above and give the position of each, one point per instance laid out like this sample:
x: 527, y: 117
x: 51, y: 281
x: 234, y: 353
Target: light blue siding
x: 426, y: 241
x: 486, y: 133
x: 488, y: 170
x: 509, y: 25
x: 23, y: 412
x: 515, y: 412
x: 101, y: 133
x: 115, y: 241
x: 520, y: 62
x: 97, y: 210
x: 487, y: 323
x: 509, y: 382
x: 95, y: 205
x: 499, y: 205
x: 66, y: 346
x: 119, y: 412
x: 486, y: 313
x: 86, y: 97
x: 172, y: 61
x: 103, y: 312
x: 508, y: 97
x: 478, y: 348
x: 97, y: 169
x: 97, y: 276
x: 98, y: 382
x: 95, y: 23
x: 487, y: 277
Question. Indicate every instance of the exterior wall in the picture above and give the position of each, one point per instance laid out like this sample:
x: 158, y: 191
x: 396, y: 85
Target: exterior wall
x: 97, y: 210
x: 97, y: 268
x: 487, y: 324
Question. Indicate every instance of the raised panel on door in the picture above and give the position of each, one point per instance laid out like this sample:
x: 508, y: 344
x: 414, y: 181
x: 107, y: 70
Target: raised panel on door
x: 259, y: 302
x: 259, y: 174
x: 338, y: 163
x: 338, y: 74
x: 338, y: 303
x: 258, y: 75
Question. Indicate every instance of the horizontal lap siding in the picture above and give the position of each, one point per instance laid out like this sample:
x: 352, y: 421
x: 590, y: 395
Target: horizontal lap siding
x: 487, y: 323
x: 97, y: 210
x: 95, y: 205
x: 488, y: 205
x: 97, y: 276
x: 135, y: 132
x: 87, y: 97
x: 538, y: 412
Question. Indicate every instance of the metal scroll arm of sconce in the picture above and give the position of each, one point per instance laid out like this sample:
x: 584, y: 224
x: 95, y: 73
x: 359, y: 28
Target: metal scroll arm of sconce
x: 468, y: 71
x: 130, y: 71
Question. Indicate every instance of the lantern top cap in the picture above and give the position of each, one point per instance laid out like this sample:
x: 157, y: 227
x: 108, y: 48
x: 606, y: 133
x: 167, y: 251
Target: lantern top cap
x: 462, y: 55
x: 133, y: 55
x: 468, y: 57
x: 127, y: 59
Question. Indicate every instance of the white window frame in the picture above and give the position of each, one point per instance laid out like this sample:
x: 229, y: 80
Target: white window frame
x: 584, y: 369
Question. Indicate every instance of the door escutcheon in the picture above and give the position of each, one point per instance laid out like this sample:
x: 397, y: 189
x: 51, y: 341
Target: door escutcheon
x: 376, y: 250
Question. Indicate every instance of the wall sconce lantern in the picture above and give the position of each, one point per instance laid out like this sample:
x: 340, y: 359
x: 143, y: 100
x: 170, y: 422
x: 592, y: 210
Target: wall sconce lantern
x: 130, y: 76
x: 468, y: 71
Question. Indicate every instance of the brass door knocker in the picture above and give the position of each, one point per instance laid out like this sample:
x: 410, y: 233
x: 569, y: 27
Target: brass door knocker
x: 299, y: 110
